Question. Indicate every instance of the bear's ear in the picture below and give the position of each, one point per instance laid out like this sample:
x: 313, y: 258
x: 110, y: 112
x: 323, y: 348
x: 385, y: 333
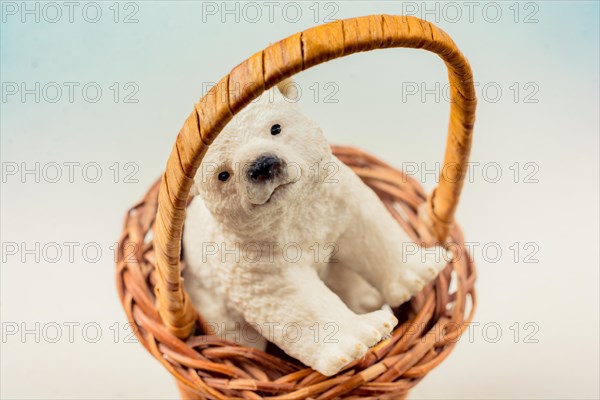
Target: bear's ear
x: 195, y: 189
x: 288, y: 88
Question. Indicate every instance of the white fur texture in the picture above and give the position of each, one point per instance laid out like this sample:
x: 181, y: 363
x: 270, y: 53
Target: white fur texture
x: 305, y: 260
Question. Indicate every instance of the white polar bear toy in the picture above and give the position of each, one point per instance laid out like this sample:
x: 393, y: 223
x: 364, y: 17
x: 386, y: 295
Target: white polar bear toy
x: 285, y: 243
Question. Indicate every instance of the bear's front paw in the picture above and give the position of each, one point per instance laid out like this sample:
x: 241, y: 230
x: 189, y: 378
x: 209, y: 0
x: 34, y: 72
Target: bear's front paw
x: 366, y: 301
x: 353, y: 340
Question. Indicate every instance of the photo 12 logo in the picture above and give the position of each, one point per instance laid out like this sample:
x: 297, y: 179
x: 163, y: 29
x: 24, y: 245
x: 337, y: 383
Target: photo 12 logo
x: 90, y: 332
x: 269, y: 11
x: 53, y: 12
x: 317, y: 92
x: 68, y: 172
x: 487, y: 92
x: 525, y: 12
x: 518, y: 172
x: 69, y: 92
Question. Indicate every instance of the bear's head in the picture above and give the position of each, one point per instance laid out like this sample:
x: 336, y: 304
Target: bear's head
x: 264, y: 163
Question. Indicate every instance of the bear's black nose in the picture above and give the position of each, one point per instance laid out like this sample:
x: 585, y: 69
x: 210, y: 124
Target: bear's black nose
x: 264, y: 168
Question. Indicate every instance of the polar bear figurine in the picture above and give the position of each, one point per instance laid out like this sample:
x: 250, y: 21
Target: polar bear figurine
x: 285, y: 243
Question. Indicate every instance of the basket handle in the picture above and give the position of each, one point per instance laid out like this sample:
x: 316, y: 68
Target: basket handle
x: 267, y: 68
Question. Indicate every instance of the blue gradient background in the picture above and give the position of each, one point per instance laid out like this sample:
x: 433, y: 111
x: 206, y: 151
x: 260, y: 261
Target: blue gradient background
x: 169, y: 53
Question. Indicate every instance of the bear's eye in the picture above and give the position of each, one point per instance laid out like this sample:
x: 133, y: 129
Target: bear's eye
x: 275, y: 129
x: 223, y: 176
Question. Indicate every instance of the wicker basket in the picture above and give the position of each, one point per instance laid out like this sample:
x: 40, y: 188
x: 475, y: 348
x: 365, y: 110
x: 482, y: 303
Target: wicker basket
x: 149, y: 265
